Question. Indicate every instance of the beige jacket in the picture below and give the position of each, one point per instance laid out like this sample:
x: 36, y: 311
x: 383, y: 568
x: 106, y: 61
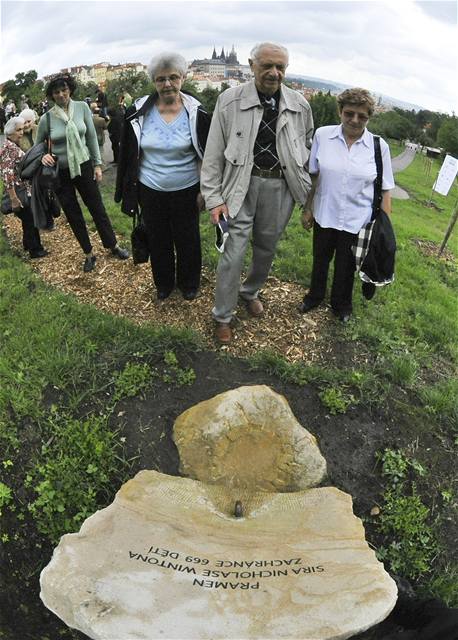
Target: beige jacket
x: 228, y: 158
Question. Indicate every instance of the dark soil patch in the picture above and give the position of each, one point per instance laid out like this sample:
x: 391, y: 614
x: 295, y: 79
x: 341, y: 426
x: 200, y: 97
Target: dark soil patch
x: 348, y: 442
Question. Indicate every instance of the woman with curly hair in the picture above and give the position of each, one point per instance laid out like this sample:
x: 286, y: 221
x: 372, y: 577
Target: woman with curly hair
x: 70, y: 128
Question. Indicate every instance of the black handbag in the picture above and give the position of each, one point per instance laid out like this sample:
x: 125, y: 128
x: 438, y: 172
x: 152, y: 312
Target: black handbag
x: 139, y: 241
x: 21, y: 192
x: 49, y: 176
x: 375, y: 246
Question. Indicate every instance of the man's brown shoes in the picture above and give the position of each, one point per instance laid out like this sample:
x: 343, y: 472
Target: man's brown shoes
x: 254, y: 307
x: 223, y: 332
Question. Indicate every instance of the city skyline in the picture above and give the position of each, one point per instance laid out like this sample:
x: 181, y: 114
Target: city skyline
x: 403, y: 50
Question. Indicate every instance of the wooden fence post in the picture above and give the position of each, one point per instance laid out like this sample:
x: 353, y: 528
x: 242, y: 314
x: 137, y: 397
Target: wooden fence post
x: 449, y: 229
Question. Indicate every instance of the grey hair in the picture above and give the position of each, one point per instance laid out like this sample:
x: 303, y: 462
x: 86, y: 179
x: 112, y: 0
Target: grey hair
x: 28, y: 114
x: 167, y: 60
x: 254, y: 53
x: 12, y: 124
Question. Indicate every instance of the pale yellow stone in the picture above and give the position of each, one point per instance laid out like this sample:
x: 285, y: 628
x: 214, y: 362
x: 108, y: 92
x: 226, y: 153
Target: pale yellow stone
x: 167, y: 560
x: 249, y: 438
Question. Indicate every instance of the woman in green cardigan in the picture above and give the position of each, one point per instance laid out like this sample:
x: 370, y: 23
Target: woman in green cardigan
x: 74, y: 142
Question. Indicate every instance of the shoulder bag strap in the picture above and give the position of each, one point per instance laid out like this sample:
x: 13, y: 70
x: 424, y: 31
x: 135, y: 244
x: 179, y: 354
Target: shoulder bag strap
x: 376, y: 205
x: 48, y: 122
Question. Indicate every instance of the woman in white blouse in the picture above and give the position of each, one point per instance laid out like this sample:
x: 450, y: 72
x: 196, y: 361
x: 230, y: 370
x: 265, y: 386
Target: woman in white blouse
x: 343, y: 170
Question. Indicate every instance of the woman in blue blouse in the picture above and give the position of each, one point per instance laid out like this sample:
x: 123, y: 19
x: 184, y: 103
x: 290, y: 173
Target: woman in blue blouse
x: 162, y: 144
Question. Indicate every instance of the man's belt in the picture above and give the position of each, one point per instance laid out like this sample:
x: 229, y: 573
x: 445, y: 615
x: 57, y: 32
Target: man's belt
x: 267, y: 173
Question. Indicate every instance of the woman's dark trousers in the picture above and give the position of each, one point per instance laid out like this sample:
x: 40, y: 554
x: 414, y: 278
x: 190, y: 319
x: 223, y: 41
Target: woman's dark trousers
x: 171, y: 219
x: 30, y: 234
x: 89, y: 191
x: 326, y: 244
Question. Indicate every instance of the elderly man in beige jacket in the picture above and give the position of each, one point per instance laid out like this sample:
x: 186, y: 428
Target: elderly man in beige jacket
x: 253, y: 171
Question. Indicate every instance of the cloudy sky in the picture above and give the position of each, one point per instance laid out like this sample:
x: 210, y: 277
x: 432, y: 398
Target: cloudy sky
x: 403, y: 48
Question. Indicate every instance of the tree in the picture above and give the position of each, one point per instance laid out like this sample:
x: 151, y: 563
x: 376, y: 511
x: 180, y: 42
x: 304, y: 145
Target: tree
x: 24, y: 83
x: 447, y: 136
x: 208, y: 98
x: 324, y: 109
x: 136, y: 84
x: 391, y: 124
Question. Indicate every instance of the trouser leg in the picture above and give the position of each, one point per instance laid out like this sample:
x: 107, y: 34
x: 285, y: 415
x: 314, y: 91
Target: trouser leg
x: 323, y: 251
x: 30, y: 235
x: 155, y: 212
x: 273, y: 210
x: 72, y: 210
x: 92, y: 198
x: 184, y: 217
x: 231, y: 261
x: 344, y: 273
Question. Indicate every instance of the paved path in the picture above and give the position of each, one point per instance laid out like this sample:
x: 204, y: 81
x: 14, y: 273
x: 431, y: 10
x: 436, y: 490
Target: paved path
x: 399, y: 163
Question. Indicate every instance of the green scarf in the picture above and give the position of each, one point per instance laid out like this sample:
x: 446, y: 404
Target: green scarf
x: 77, y: 152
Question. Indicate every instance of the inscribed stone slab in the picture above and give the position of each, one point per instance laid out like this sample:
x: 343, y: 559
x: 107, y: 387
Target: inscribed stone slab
x: 167, y: 560
x: 248, y: 437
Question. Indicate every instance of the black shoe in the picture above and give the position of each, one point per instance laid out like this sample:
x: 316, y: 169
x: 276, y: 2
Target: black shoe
x: 38, y: 253
x: 368, y: 290
x: 163, y: 295
x: 120, y: 253
x: 89, y: 264
x: 307, y: 305
x: 190, y: 294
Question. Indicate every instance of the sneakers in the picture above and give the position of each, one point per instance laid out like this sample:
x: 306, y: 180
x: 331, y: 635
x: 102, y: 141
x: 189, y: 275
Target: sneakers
x: 223, y: 332
x: 89, y: 264
x: 190, y: 294
x: 162, y: 295
x: 38, y: 253
x: 254, y: 307
x: 120, y: 253
x: 307, y: 305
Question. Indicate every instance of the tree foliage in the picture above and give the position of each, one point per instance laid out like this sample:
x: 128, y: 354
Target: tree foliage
x: 135, y: 84
x: 24, y: 83
x: 447, y: 136
x: 324, y: 109
x: 391, y: 124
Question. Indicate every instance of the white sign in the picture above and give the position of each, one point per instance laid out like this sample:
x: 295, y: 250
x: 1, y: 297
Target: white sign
x: 446, y: 175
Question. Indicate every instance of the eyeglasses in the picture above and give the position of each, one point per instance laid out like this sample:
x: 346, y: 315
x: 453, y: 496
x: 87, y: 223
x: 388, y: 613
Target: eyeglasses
x: 163, y: 79
x: 362, y: 117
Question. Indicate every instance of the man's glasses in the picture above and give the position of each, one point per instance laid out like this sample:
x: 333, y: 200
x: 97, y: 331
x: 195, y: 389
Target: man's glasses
x: 362, y: 117
x: 163, y: 79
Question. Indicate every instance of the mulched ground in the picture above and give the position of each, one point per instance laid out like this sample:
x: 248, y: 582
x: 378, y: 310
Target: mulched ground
x: 123, y: 289
x: 348, y: 442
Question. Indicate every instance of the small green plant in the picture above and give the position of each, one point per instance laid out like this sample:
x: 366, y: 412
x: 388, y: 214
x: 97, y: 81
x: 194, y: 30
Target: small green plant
x: 133, y: 379
x: 176, y: 374
x: 6, y: 496
x: 395, y: 465
x: 73, y: 474
x: 413, y: 546
x: 335, y: 400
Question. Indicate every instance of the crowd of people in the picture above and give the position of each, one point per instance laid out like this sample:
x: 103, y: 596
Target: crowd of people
x: 248, y: 164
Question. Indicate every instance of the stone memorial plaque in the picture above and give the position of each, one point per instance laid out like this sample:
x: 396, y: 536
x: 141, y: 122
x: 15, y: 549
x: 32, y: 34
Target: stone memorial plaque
x: 169, y: 560
x: 248, y: 437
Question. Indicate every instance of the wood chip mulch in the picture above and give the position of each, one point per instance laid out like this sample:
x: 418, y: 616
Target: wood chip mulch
x: 123, y: 289
x: 430, y: 249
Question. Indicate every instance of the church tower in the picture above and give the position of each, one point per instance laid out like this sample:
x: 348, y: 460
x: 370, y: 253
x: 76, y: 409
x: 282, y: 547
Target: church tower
x: 214, y: 56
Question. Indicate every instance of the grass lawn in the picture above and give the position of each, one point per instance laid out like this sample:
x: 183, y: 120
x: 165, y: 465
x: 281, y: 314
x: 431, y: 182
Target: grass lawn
x: 65, y: 367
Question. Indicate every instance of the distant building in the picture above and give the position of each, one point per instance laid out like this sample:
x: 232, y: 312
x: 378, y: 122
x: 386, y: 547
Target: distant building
x: 102, y: 72
x: 222, y: 65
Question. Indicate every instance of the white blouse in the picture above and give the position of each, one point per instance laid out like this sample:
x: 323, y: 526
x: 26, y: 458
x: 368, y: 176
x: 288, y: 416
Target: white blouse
x: 345, y: 187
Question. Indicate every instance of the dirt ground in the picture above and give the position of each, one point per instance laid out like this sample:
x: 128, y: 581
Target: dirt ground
x: 348, y: 442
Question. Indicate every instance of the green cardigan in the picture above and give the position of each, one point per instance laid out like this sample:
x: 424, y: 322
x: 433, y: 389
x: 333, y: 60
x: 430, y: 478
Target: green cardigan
x: 83, y: 119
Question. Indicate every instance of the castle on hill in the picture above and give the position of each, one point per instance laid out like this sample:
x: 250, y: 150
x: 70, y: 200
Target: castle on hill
x: 224, y: 65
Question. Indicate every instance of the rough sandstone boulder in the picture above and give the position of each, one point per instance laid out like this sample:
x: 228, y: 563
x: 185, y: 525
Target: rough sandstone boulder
x: 248, y: 438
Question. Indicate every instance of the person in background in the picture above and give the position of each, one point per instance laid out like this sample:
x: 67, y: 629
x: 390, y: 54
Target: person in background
x: 163, y: 140
x: 100, y: 125
x: 74, y: 142
x: 2, y: 117
x: 116, y: 115
x: 253, y: 172
x: 343, y: 170
x: 30, y: 129
x: 10, y: 109
x: 10, y: 156
x: 102, y: 103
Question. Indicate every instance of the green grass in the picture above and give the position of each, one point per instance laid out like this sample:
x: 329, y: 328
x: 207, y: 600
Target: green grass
x: 50, y: 345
